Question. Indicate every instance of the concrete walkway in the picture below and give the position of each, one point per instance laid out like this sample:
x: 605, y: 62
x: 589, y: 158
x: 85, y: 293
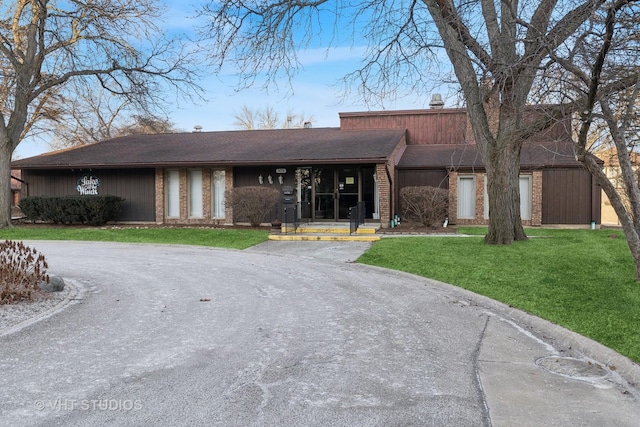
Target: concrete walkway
x: 293, y: 333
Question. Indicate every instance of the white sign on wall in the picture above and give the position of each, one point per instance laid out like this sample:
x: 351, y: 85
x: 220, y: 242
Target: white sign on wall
x: 88, y: 185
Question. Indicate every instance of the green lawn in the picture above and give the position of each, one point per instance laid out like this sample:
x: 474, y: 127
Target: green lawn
x: 580, y: 279
x: 216, y: 237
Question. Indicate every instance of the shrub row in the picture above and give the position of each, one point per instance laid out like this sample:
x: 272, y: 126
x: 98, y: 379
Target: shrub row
x: 92, y: 210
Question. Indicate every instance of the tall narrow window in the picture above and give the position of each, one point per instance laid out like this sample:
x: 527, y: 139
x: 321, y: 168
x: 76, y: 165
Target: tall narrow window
x: 195, y: 193
x: 486, y: 198
x: 218, y: 187
x: 173, y: 194
x: 525, y: 196
x: 466, y: 197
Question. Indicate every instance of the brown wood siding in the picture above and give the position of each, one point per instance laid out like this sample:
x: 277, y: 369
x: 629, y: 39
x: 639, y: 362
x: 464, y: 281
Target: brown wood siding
x: 419, y: 177
x: 423, y: 126
x: 558, y: 130
x: 248, y: 176
x: 136, y: 186
x: 568, y: 197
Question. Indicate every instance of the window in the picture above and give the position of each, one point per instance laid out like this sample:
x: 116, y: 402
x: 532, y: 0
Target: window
x: 525, y: 196
x: 173, y: 194
x: 466, y: 197
x: 217, y: 188
x: 195, y: 193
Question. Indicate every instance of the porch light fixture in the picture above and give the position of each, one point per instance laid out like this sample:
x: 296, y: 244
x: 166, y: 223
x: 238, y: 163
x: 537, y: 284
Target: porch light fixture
x: 260, y: 179
x: 270, y: 179
x: 280, y: 179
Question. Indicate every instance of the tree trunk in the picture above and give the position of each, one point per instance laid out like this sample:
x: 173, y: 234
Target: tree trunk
x: 503, y: 187
x: 5, y: 184
x: 626, y: 218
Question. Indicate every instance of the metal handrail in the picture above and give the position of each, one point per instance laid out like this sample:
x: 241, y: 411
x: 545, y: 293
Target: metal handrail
x: 356, y: 217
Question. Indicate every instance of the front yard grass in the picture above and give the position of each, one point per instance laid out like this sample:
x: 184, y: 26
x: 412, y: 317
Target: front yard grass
x: 215, y: 237
x: 580, y: 279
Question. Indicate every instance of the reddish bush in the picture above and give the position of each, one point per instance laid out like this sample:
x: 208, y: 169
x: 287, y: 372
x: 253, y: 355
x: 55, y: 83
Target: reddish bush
x: 21, y: 271
x: 254, y: 204
x: 428, y: 205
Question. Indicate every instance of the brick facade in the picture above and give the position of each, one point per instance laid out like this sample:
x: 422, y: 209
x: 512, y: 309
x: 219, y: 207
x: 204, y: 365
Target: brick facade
x: 479, y: 217
x: 207, y: 202
x: 384, y: 192
x: 536, y: 203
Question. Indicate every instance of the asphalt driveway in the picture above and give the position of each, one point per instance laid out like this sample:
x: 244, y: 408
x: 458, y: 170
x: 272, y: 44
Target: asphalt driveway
x: 176, y: 335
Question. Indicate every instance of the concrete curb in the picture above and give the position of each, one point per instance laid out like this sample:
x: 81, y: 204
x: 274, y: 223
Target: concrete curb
x: 615, y: 363
x: 74, y: 292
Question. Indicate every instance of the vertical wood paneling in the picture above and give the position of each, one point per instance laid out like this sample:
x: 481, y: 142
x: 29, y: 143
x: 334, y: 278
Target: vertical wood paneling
x: 417, y: 177
x: 567, y: 196
x: 423, y: 126
x: 136, y: 186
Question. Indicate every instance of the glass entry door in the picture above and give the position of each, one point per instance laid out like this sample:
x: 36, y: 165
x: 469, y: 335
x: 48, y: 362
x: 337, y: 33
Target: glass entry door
x: 348, y: 190
x: 336, y: 189
x: 324, y: 197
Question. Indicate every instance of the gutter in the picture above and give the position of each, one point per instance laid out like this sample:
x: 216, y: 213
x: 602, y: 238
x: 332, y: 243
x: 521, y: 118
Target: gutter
x: 233, y: 163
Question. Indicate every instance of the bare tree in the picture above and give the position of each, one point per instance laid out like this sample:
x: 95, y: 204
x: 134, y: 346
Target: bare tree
x: 268, y: 118
x: 497, y: 50
x: 246, y: 119
x: 46, y: 44
x: 145, y: 125
x: 92, y: 119
x: 608, y: 53
x: 89, y: 116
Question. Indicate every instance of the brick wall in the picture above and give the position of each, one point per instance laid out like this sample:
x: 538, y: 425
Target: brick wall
x: 479, y: 219
x: 184, y: 219
x: 160, y: 203
x: 536, y: 202
x: 384, y: 190
x: 228, y: 209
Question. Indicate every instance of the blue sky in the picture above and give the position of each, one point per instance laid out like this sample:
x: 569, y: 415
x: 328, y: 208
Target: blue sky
x: 314, y: 92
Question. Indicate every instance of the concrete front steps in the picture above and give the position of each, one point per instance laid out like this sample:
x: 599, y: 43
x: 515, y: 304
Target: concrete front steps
x: 327, y: 232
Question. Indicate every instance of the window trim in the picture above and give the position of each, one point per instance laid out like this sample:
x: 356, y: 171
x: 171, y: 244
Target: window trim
x: 199, y: 212
x: 460, y: 199
x: 529, y: 215
x: 218, y: 196
x: 172, y: 200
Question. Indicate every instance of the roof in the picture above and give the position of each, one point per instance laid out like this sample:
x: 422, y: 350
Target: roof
x: 315, y: 145
x: 549, y: 154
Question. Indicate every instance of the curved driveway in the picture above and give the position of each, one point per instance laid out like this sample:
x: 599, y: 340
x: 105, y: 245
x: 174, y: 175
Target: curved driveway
x: 176, y: 335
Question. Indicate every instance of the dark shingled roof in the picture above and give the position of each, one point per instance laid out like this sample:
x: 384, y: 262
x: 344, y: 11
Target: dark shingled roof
x: 320, y: 145
x: 533, y: 155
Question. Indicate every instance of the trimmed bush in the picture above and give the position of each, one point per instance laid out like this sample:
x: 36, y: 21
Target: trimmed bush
x: 253, y: 204
x: 91, y: 210
x: 22, y: 269
x: 427, y: 205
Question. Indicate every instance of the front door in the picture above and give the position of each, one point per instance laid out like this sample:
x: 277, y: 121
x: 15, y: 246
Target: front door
x: 324, y: 194
x: 336, y: 190
x: 347, y: 190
